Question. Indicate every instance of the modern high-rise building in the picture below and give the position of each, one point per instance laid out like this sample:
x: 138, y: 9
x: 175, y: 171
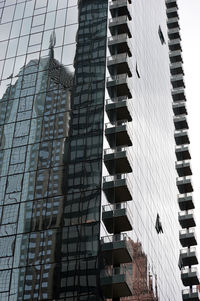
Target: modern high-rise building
x: 94, y: 150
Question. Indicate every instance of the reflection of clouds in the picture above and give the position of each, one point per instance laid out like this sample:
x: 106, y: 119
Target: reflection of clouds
x: 66, y: 28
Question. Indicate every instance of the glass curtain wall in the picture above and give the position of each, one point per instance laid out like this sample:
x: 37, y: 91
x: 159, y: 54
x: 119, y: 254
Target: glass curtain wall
x: 52, y: 65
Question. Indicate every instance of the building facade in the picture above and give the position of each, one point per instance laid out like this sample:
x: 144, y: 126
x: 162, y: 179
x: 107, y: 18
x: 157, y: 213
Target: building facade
x: 90, y: 94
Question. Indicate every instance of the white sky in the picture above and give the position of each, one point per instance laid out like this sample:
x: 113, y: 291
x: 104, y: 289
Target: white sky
x: 189, y: 13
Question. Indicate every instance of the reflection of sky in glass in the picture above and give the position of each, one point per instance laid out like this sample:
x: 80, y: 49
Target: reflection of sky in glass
x: 34, y: 118
x: 18, y: 48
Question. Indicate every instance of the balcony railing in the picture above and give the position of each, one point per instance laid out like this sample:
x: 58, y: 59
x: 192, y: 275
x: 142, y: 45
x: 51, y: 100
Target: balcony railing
x: 117, y: 217
x: 120, y: 43
x: 118, y: 37
x: 116, y: 282
x: 119, y: 108
x: 122, y: 62
x: 184, y: 184
x: 118, y: 160
x: 191, y: 294
x: 188, y: 237
x: 117, y: 188
x: 181, y: 137
x: 178, y: 95
x: 183, y: 169
x: 123, y: 7
x: 113, y: 207
x: 185, y: 201
x: 187, y: 219
x: 186, y: 212
x: 188, y: 256
x: 117, y: 123
x: 190, y: 276
x: 179, y: 108
x: 114, y: 178
x: 183, y: 152
x: 187, y: 270
x: 122, y: 23
x: 114, y: 238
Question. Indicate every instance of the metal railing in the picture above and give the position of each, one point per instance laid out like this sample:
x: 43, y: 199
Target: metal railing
x: 186, y: 270
x: 182, y: 179
x: 117, y: 123
x: 184, y: 195
x: 121, y: 56
x: 115, y: 238
x: 188, y: 250
x: 182, y: 146
x: 116, y: 2
x: 121, y: 19
x: 109, y: 151
x: 113, y: 207
x: 185, y: 131
x: 187, y: 231
x: 122, y: 36
x: 183, y: 162
x: 114, y: 271
x: 192, y: 290
x: 114, y: 178
x: 116, y: 99
x: 117, y: 56
x: 186, y: 212
x: 117, y: 77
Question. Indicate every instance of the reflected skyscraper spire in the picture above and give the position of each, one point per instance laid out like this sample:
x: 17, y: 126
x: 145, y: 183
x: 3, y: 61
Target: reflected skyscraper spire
x: 41, y: 101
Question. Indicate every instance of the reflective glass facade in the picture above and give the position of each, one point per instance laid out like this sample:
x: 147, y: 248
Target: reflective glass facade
x: 51, y: 112
x: 85, y: 82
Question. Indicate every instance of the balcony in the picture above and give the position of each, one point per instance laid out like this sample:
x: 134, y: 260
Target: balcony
x: 179, y: 108
x: 116, y: 188
x: 117, y: 160
x: 118, y: 109
x: 173, y: 23
x: 120, y: 63
x: 171, y: 4
x: 186, y: 201
x: 186, y: 219
x: 178, y: 95
x: 176, y: 68
x: 120, y: 43
x: 181, y: 137
x: 184, y: 184
x: 116, y: 249
x: 174, y: 33
x: 122, y: 7
x: 118, y: 134
x: 117, y: 217
x: 183, y: 152
x: 120, y: 25
x: 189, y: 276
x: 188, y: 257
x: 183, y: 168
x: 191, y: 294
x: 180, y: 122
x: 120, y: 85
x: 116, y: 282
x: 175, y: 45
x: 187, y: 237
x: 177, y: 81
x: 175, y: 56
x: 172, y: 12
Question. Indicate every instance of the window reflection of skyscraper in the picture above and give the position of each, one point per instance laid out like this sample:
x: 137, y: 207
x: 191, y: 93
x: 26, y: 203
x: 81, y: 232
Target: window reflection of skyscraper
x: 54, y: 246
x: 40, y: 103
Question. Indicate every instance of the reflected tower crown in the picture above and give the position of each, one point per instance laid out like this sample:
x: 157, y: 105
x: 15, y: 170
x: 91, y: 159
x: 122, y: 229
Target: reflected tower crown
x: 52, y: 43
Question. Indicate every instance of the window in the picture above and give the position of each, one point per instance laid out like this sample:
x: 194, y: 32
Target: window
x: 162, y: 39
